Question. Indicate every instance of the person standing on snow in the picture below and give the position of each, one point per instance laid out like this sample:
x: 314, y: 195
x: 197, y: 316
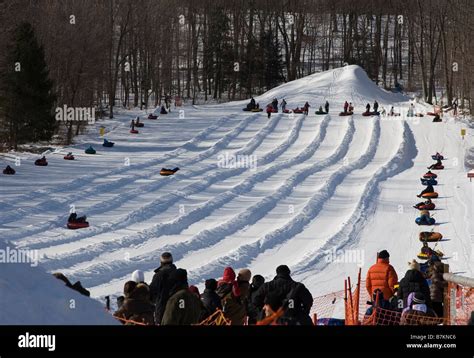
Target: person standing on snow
x: 210, y: 298
x: 283, y: 105
x: 412, y: 282
x: 269, y: 111
x: 161, y: 284
x: 326, y: 107
x: 367, y: 108
x: 376, y: 106
x: 346, y: 106
x: 382, y: 276
x: 306, y: 108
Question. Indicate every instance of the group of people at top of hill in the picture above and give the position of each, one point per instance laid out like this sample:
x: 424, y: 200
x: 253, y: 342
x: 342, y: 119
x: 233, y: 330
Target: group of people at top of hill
x: 412, y: 296
x: 170, y: 300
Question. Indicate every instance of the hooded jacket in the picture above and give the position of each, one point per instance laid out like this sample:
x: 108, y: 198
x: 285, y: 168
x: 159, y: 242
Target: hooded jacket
x: 413, y: 282
x: 381, y: 276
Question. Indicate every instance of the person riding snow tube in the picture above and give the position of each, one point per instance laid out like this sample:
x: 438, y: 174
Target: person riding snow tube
x: 432, y: 195
x: 69, y: 156
x: 108, y: 144
x: 429, y: 174
x: 167, y: 172
x: 430, y: 236
x: 437, y: 118
x: 42, y: 162
x: 437, y: 156
x: 429, y: 189
x: 163, y: 110
x: 138, y: 123
x: 90, y: 150
x: 9, y: 170
x: 320, y: 110
x: 428, y: 181
x: 74, y: 222
x: 425, y: 219
x: 425, y: 205
x: 152, y: 116
x: 426, y: 252
x: 438, y: 165
x: 298, y: 110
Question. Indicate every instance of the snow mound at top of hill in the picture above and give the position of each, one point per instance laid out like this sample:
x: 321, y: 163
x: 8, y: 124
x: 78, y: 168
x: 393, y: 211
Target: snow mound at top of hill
x: 348, y: 83
x: 30, y: 296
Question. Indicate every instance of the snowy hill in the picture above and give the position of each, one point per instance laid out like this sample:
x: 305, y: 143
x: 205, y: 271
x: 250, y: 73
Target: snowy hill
x: 322, y: 183
x: 30, y: 296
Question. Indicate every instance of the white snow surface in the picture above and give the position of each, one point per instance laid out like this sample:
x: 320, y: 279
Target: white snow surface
x: 322, y: 183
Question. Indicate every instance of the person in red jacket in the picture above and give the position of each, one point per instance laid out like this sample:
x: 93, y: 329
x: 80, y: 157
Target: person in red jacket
x: 382, y: 276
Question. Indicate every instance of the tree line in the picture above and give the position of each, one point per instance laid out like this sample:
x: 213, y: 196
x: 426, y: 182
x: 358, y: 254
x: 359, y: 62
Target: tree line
x: 124, y: 53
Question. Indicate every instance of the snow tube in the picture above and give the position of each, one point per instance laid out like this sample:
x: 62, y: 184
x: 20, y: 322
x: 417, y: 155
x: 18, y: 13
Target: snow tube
x: 273, y: 110
x: 246, y: 109
x: 320, y: 112
x: 77, y: 225
x: 257, y: 110
x: 346, y: 113
x: 429, y: 181
x: 436, y: 120
x: 423, y: 206
x: 430, y: 175
x: 425, y: 256
x: 69, y: 157
x: 422, y: 220
x: 438, y: 167
x: 431, y: 114
x: 167, y: 172
x: 41, y: 162
x: 152, y: 116
x: 430, y: 236
x: 367, y: 114
x: 286, y: 111
x: 90, y: 150
x: 140, y: 125
x: 298, y: 110
x: 9, y: 171
x: 436, y: 157
x: 133, y: 131
x: 433, y: 195
x: 108, y: 144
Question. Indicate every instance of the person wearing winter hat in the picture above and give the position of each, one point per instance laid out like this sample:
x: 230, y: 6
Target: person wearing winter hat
x: 414, y: 281
x: 286, y: 288
x: 252, y: 311
x: 210, y: 298
x: 229, y: 292
x: 128, y: 288
x: 138, y: 276
x: 381, y: 276
x: 136, y: 306
x: 417, y: 313
x: 161, y: 284
x: 183, y: 307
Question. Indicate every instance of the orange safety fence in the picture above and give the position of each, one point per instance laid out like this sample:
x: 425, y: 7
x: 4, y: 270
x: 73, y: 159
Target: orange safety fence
x: 460, y: 300
x: 215, y: 319
x: 325, y: 306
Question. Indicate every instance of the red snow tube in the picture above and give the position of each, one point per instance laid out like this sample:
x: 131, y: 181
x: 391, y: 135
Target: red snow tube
x: 425, y: 206
x: 133, y: 131
x: 152, y: 116
x: 367, y: 114
x: 75, y: 226
x: 430, y: 195
x: 41, y: 162
x: 69, y: 157
x: 346, y: 113
x: 438, y: 167
x: 286, y: 111
x: 430, y: 175
x: 298, y: 110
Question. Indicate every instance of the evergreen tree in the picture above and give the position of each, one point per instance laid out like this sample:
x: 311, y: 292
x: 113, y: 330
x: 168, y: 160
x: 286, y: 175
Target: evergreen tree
x: 272, y: 61
x: 26, y: 92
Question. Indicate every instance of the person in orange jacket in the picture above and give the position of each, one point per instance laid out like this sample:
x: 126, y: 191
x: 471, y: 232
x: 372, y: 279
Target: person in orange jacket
x: 382, y: 276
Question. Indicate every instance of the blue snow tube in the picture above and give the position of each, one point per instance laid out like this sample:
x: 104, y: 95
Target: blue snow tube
x: 423, y: 220
x: 430, y: 181
x: 108, y: 144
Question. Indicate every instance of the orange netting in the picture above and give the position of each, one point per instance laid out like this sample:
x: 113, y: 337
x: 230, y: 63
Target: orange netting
x: 461, y: 304
x: 215, y: 319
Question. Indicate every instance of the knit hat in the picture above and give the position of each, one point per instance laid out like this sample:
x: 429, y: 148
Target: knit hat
x: 129, y: 287
x: 179, y: 276
x: 418, y: 298
x: 244, y: 275
x: 283, y: 270
x: 166, y: 258
x: 195, y: 290
x: 258, y: 280
x: 211, y: 284
x: 383, y: 254
x: 414, y: 265
x: 138, y: 276
x: 229, y: 275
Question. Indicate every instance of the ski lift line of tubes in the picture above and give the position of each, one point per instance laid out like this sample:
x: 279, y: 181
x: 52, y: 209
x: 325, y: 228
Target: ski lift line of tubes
x: 429, y: 179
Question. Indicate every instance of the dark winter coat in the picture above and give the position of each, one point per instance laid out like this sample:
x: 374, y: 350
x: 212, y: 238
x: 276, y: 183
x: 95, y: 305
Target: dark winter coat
x: 182, y: 308
x: 160, y: 288
x: 211, y: 301
x: 252, y: 310
x: 413, y: 282
x: 438, y: 284
x: 232, y: 304
x: 137, y: 307
x: 281, y: 286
